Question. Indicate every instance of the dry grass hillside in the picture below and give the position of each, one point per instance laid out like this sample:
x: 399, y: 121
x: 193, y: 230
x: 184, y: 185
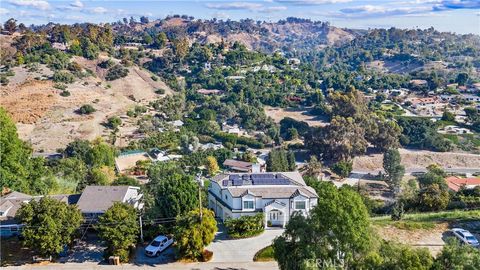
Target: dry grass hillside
x: 49, y: 121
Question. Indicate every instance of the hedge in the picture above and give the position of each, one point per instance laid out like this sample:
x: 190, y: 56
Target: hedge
x: 245, y: 226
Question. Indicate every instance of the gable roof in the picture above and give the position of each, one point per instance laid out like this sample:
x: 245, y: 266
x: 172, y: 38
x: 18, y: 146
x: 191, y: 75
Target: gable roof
x: 455, y: 183
x: 97, y: 199
x: 238, y: 164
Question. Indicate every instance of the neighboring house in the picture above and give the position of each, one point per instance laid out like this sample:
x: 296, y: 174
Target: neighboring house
x: 241, y: 166
x: 128, y: 160
x: 209, y: 91
x: 10, y: 203
x: 95, y: 200
x: 277, y: 194
x: 455, y: 183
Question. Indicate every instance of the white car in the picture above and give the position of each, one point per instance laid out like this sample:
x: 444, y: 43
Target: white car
x: 159, y: 244
x: 466, y: 237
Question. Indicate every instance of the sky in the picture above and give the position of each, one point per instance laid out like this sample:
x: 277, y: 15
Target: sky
x: 459, y: 16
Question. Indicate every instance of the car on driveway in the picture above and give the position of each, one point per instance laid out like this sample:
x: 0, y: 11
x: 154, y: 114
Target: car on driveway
x: 159, y: 244
x: 466, y: 237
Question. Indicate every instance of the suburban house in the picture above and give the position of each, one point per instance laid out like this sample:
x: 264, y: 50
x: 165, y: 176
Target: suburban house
x: 10, y: 203
x: 276, y: 194
x: 455, y: 183
x: 241, y: 166
x: 95, y: 200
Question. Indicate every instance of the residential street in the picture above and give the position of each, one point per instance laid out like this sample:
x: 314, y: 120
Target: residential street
x: 241, y: 250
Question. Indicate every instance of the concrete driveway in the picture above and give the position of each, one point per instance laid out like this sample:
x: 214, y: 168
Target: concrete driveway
x: 241, y: 250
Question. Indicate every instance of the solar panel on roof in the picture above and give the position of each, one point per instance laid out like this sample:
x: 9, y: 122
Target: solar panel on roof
x: 237, y: 182
x: 225, y: 183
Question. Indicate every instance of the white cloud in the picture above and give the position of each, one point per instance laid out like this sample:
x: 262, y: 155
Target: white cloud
x: 98, y: 10
x: 220, y: 15
x: 77, y: 4
x: 369, y: 11
x: 4, y: 11
x: 235, y: 6
x: 38, y: 4
x: 273, y: 9
x: 313, y: 2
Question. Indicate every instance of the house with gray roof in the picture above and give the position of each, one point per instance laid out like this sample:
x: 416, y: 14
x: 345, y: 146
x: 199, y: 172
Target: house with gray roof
x: 11, y: 202
x: 95, y: 200
x: 276, y: 194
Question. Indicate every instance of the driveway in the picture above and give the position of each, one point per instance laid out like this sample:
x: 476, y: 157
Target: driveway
x: 240, y: 250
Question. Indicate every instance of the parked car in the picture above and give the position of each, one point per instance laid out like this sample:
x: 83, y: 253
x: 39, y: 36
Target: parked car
x: 466, y: 237
x: 159, y: 244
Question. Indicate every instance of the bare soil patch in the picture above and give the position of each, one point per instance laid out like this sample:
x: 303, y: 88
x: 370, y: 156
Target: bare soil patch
x: 277, y: 114
x: 415, y: 159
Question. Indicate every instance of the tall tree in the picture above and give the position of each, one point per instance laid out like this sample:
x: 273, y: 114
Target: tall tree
x: 193, y: 232
x: 119, y: 228
x: 49, y: 225
x: 337, y: 232
x: 393, y: 168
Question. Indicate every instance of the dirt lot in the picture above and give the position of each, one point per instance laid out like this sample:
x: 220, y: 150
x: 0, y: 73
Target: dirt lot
x: 414, y: 159
x: 48, y: 121
x: 431, y: 238
x: 277, y: 114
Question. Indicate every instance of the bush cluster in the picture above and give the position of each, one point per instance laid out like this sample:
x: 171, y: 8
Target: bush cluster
x: 246, y: 226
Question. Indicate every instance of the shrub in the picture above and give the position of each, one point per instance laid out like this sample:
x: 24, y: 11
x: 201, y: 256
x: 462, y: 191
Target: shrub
x: 63, y: 76
x: 245, y: 226
x: 106, y: 64
x: 342, y: 168
x: 114, y: 122
x: 265, y: 254
x: 160, y: 91
x: 60, y: 86
x: 65, y: 93
x: 116, y: 72
x: 155, y: 78
x: 86, y: 109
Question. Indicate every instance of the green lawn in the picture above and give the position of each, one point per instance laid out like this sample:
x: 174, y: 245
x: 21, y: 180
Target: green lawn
x: 427, y: 220
x: 264, y: 255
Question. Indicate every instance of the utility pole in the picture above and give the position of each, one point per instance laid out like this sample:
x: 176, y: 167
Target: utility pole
x: 200, y: 185
x: 141, y: 228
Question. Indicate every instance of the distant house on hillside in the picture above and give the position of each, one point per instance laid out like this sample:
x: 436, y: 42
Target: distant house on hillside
x: 277, y: 194
x: 10, y: 203
x: 95, y: 200
x: 209, y: 91
x: 241, y: 166
x: 455, y: 183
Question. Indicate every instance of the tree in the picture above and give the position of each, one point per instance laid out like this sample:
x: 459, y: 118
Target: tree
x: 144, y: 20
x: 193, y: 233
x: 456, y: 256
x: 433, y: 198
x: 393, y: 169
x: 14, y: 156
x: 160, y: 40
x: 462, y: 78
x: 119, y: 228
x: 313, y: 167
x: 336, y: 232
x: 10, y: 26
x: 280, y: 161
x: 71, y: 169
x: 212, y: 165
x: 172, y: 189
x: 340, y: 141
x: 448, y: 116
x: 180, y: 48
x: 384, y: 134
x: 397, y: 256
x: 124, y: 180
x: 101, y: 176
x: 49, y: 225
x: 342, y: 168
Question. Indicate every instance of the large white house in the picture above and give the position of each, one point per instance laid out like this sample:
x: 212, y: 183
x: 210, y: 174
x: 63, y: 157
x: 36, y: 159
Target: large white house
x: 277, y: 194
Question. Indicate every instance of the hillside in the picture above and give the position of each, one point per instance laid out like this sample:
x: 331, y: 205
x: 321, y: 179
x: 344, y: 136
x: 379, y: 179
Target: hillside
x: 287, y: 35
x: 48, y: 120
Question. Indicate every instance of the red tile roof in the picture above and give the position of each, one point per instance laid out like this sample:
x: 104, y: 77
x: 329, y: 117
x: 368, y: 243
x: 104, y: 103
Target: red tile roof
x: 455, y: 182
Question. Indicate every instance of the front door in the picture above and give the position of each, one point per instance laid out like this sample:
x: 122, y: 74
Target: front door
x: 275, y: 218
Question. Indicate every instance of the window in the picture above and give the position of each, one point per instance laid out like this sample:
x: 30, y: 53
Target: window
x: 300, y: 205
x: 248, y: 205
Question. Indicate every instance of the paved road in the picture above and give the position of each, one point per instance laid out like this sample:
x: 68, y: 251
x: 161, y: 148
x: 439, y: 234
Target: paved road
x: 241, y: 250
x: 174, y: 266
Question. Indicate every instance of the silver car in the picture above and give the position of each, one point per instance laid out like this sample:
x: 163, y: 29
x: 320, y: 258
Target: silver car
x: 466, y: 237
